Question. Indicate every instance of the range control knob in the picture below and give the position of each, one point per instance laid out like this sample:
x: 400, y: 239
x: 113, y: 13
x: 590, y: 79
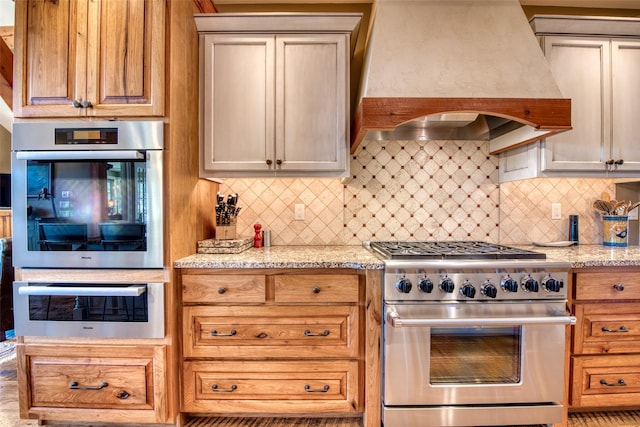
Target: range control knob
x: 404, y: 285
x: 446, y: 285
x: 552, y: 285
x: 488, y: 290
x: 425, y: 285
x: 509, y: 285
x: 467, y: 290
x: 529, y: 284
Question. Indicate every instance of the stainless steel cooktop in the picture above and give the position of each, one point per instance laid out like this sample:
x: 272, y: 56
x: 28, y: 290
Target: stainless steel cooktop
x: 455, y: 250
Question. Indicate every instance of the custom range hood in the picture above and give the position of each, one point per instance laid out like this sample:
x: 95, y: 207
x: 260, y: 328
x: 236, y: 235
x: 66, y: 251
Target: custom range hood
x: 456, y: 69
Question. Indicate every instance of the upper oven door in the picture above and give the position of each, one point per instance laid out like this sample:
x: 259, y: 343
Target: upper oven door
x: 87, y: 197
x: 473, y: 353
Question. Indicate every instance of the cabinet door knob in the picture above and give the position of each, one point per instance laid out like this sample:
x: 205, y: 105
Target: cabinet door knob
x: 278, y: 161
x: 619, y: 288
x: 315, y: 290
x: 76, y: 103
x: 619, y: 162
x: 87, y: 104
x: 222, y: 290
x: 610, y: 162
x: 269, y: 161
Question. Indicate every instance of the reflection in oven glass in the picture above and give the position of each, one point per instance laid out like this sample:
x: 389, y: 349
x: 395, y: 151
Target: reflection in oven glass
x: 475, y: 355
x: 89, y: 308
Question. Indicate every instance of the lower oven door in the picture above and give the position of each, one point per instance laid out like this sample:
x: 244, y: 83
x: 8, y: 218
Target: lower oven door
x: 474, y: 353
x: 116, y: 310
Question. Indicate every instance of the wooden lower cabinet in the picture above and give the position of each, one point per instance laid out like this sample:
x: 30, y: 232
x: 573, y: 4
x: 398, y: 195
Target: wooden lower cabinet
x: 605, y: 354
x: 313, y: 386
x: 272, y: 341
x: 609, y: 381
x: 96, y: 383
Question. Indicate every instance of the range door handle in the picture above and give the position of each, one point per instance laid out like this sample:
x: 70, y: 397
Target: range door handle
x: 81, y: 155
x: 85, y: 291
x: 396, y: 321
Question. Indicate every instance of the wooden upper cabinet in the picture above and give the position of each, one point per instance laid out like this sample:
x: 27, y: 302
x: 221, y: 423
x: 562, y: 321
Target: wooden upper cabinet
x: 76, y: 58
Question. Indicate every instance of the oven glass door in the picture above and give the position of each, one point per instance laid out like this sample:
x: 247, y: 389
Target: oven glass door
x: 462, y: 354
x: 475, y: 355
x: 78, y: 205
x: 120, y: 310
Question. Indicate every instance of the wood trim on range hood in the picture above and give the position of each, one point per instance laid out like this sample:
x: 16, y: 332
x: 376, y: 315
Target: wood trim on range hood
x: 545, y: 114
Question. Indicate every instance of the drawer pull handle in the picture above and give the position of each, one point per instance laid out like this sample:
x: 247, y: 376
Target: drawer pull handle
x: 222, y: 290
x: 122, y: 395
x: 315, y: 290
x: 215, y: 333
x: 618, y: 287
x: 324, y: 333
x: 74, y: 386
x: 308, y: 389
x: 262, y: 335
x: 215, y: 388
x: 620, y: 329
x: 620, y: 383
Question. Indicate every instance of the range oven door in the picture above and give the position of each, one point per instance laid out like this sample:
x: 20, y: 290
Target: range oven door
x: 114, y: 310
x: 474, y: 353
x: 87, y: 195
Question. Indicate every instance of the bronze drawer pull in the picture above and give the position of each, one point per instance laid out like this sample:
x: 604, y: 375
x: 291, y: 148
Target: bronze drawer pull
x: 620, y: 329
x: 215, y: 333
x: 122, y: 395
x: 618, y: 287
x: 215, y: 388
x: 308, y: 389
x: 74, y: 386
x: 315, y: 290
x: 620, y: 383
x: 222, y: 290
x: 324, y: 333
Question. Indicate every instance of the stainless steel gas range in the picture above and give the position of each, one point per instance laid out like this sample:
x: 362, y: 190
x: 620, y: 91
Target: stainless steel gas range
x: 474, y: 335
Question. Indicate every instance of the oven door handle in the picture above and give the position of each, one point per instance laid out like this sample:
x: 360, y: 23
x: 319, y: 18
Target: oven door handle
x: 85, y: 291
x: 81, y: 155
x: 397, y: 322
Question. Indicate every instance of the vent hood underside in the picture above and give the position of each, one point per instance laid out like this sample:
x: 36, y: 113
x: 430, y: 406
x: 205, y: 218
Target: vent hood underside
x: 456, y: 69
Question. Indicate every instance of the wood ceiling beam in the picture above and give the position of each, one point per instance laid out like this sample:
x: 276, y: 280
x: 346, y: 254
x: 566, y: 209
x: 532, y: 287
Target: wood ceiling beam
x: 6, y: 65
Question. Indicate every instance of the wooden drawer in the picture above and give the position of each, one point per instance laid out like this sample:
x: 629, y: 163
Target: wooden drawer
x: 208, y: 288
x: 607, y: 328
x: 304, y: 288
x: 601, y: 381
x: 271, y: 386
x: 291, y: 331
x: 125, y: 383
x: 607, y: 286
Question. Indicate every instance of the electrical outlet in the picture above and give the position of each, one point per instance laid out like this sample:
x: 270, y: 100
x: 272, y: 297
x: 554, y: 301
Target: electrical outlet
x: 556, y: 211
x: 298, y: 212
x: 65, y: 194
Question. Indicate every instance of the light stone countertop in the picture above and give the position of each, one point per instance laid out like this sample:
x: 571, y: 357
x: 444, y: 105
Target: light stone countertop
x: 581, y: 256
x: 356, y: 257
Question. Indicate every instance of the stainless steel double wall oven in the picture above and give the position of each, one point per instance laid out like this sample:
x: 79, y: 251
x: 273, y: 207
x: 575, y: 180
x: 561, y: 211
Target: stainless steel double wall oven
x: 88, y: 195
x: 474, y: 335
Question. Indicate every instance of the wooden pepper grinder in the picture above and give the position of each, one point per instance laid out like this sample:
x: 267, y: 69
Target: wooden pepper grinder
x: 257, y: 239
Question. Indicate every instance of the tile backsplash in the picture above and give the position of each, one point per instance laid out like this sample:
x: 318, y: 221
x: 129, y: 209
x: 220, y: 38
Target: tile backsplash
x: 418, y: 190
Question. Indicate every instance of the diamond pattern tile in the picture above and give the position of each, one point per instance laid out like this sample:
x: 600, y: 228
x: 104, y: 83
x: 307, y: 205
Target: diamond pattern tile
x: 415, y: 190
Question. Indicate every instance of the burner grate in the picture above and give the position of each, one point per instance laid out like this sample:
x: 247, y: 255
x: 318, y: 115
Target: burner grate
x: 471, y: 250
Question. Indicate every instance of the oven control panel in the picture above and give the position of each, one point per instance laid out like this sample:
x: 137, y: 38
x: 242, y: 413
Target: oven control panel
x: 490, y: 284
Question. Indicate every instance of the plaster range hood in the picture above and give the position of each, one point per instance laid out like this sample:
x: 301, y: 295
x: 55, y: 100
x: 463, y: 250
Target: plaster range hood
x: 456, y: 69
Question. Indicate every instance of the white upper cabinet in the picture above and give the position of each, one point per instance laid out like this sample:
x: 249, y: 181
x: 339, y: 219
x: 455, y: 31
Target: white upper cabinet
x: 274, y: 103
x: 600, y: 75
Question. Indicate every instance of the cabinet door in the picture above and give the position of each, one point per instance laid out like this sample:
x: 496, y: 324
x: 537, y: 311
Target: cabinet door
x: 625, y: 56
x: 311, y: 99
x: 110, y: 54
x: 48, y: 70
x: 237, y: 106
x: 581, y: 68
x: 125, y: 58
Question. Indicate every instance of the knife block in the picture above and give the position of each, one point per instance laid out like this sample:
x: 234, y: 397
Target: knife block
x: 226, y: 232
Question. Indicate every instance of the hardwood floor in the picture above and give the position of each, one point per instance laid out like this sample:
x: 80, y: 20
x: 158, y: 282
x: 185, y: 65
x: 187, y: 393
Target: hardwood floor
x: 9, y: 416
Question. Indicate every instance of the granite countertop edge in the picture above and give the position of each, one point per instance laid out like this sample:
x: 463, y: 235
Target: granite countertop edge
x: 360, y: 258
